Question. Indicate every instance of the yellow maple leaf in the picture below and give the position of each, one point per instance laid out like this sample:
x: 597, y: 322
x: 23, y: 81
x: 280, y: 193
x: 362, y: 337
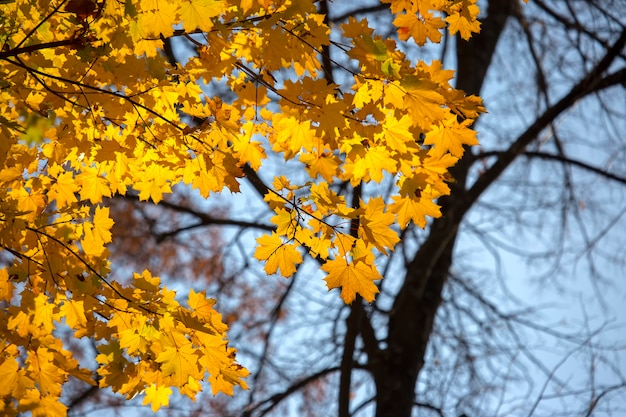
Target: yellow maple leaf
x: 353, y: 278
x: 30, y: 204
x: 463, y: 19
x: 197, y: 14
x: 191, y: 388
x: 327, y: 200
x: 44, y: 314
x: 10, y: 174
x: 278, y: 255
x: 92, y: 186
x: 6, y: 286
x: 157, y: 396
x: 420, y: 28
x: 97, y: 234
x: 450, y: 136
x: 293, y: 136
x: 153, y: 183
x: 9, y: 376
x: 371, y: 165
x: 422, y: 101
x: 325, y: 164
x: 201, y: 305
x: 43, y: 405
x: 74, y: 313
x: 160, y: 20
x: 132, y: 341
x: 15, y: 382
x: 248, y: 151
x: 146, y: 281
x: 47, y: 374
x: 179, y: 363
x: 413, y: 209
x: 21, y: 323
x: 375, y: 226
x: 396, y: 134
x: 62, y: 191
x: 286, y: 221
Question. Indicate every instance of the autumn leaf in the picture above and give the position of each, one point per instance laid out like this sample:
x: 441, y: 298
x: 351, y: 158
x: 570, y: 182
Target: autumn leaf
x: 9, y: 375
x: 277, y: 255
x: 463, y: 19
x: 74, y: 313
x: 376, y: 226
x: 92, y: 109
x: 197, y: 14
x: 157, y: 396
x: 97, y: 234
x: 285, y: 221
x: 325, y: 165
x: 421, y: 28
x: 450, y: 136
x: 45, y: 372
x: 160, y: 20
x: 248, y: 151
x: 10, y: 174
x: 292, y: 136
x: 6, y: 286
x: 93, y: 187
x: 62, y: 191
x: 153, y: 183
x: 29, y: 204
x: 353, y: 278
x: 371, y: 165
x: 396, y: 133
x: 414, y: 209
x: 201, y: 305
x: 179, y: 363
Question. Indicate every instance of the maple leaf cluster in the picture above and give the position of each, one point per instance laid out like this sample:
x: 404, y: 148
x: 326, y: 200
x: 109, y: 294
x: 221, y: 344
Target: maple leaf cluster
x: 90, y: 108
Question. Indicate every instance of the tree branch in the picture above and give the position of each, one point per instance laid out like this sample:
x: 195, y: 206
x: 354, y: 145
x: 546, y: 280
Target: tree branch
x: 38, y: 47
x: 203, y: 219
x: 275, y: 315
x: 361, y: 10
x: 275, y: 399
x: 593, y: 82
x: 256, y: 182
x: 561, y: 159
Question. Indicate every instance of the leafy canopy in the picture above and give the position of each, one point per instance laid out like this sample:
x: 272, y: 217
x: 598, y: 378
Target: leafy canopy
x: 90, y: 108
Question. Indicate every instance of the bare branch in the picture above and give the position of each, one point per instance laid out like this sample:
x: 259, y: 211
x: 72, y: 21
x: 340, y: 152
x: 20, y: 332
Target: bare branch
x: 560, y: 159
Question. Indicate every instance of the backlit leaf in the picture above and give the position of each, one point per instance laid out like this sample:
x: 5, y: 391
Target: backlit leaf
x: 352, y: 278
x: 277, y: 255
x: 157, y: 397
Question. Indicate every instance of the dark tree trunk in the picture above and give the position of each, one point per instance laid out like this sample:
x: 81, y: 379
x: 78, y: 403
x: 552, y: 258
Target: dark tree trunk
x: 412, y: 317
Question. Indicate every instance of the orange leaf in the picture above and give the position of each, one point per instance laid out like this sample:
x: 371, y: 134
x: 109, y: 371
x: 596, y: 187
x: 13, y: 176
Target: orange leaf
x: 353, y: 278
x: 413, y: 209
x: 63, y: 189
x: 9, y: 376
x: 464, y: 20
x: 376, y: 226
x: 179, y: 363
x: 450, y: 136
x: 47, y: 374
x: 420, y: 28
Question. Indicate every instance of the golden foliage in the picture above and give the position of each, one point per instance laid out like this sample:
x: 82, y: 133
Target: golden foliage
x: 90, y: 108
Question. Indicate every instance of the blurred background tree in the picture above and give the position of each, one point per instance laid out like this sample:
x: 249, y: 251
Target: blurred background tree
x: 511, y: 304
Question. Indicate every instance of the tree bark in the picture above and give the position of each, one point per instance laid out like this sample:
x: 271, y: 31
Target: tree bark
x: 413, y: 314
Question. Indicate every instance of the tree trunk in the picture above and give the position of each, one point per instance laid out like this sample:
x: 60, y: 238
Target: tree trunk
x: 412, y: 317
